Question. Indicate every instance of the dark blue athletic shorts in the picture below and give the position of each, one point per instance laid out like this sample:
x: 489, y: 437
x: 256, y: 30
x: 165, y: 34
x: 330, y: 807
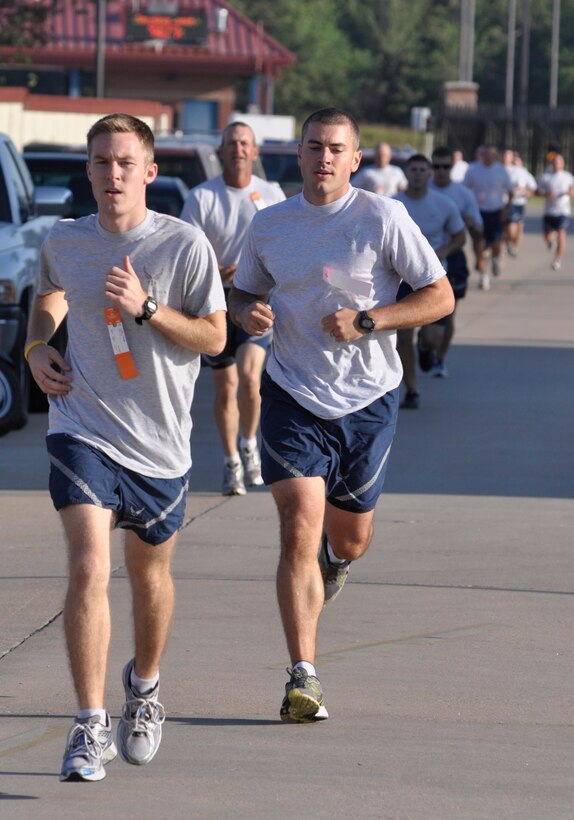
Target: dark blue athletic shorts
x: 235, y: 338
x: 493, y: 225
x: 351, y: 453
x: 515, y: 213
x: 81, y: 474
x: 555, y: 223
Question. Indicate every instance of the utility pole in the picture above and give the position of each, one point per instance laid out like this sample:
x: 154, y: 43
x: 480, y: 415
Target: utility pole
x: 510, y: 52
x: 525, y: 55
x: 510, y: 58
x: 466, y: 46
x: 100, y: 47
x: 554, y: 54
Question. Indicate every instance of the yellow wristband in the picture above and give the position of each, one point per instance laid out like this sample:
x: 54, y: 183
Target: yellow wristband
x: 32, y: 345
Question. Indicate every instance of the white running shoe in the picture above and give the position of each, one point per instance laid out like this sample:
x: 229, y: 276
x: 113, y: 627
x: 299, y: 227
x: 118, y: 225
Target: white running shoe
x: 233, y: 479
x: 89, y: 746
x: 484, y: 282
x: 439, y: 371
x: 251, y: 466
x: 139, y: 729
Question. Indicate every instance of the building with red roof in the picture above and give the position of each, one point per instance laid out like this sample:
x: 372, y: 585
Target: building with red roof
x: 186, y: 54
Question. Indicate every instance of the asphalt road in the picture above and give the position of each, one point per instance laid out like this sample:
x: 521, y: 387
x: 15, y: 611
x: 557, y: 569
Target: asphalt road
x: 446, y: 662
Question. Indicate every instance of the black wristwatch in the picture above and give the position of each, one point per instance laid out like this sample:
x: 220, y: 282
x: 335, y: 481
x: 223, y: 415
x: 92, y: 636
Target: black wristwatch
x: 149, y: 307
x: 366, y: 322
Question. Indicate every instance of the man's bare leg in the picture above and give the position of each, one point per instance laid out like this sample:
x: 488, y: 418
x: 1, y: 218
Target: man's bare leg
x: 86, y: 609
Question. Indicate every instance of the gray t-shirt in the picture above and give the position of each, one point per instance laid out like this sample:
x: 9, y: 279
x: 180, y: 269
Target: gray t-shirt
x: 317, y: 259
x: 436, y: 215
x: 142, y: 423
x: 386, y: 181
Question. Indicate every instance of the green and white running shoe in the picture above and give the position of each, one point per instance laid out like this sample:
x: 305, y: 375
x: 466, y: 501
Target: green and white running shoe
x: 139, y: 729
x: 303, y: 701
x: 334, y: 575
x: 89, y: 746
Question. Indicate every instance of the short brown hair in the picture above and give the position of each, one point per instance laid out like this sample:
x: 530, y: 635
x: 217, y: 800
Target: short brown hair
x: 124, y: 124
x: 333, y: 116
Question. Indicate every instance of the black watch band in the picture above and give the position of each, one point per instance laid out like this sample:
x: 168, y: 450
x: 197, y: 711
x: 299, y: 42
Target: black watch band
x: 149, y: 307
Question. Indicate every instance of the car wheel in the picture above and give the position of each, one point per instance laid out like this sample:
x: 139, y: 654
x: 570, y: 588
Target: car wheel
x: 13, y: 415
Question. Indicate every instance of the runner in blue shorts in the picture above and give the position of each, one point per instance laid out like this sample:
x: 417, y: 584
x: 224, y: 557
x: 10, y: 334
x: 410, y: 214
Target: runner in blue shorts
x: 143, y: 300
x: 331, y: 259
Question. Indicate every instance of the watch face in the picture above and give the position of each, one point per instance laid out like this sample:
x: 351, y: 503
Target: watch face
x: 150, y: 307
x: 366, y: 322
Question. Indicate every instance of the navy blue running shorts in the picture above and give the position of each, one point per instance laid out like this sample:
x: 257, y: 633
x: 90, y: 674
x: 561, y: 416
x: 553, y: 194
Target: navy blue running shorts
x: 236, y: 337
x: 555, y: 223
x: 351, y: 453
x: 493, y: 225
x: 153, y: 508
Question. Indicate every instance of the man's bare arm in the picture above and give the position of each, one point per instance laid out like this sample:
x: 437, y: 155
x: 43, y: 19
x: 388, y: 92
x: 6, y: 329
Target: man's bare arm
x: 250, y: 311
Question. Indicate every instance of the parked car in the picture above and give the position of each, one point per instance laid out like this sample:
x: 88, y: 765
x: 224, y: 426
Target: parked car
x: 192, y: 161
x: 26, y: 214
x: 165, y: 194
x: 281, y: 165
x: 279, y: 159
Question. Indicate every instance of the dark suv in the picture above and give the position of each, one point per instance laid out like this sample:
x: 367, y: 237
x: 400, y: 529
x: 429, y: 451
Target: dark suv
x: 164, y: 194
x: 192, y: 161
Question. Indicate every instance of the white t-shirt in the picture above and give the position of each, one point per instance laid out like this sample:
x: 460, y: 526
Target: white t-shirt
x: 558, y: 185
x: 458, y: 171
x: 142, y: 423
x: 385, y: 181
x: 224, y: 213
x: 316, y: 259
x: 522, y: 179
x: 491, y: 184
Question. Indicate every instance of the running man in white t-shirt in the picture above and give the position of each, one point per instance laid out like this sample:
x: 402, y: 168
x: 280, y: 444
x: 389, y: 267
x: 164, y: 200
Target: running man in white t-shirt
x: 382, y: 177
x: 323, y: 269
x: 556, y: 186
x: 223, y: 208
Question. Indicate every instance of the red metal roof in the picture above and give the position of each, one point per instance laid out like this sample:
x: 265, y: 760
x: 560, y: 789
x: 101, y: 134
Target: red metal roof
x: 71, y: 40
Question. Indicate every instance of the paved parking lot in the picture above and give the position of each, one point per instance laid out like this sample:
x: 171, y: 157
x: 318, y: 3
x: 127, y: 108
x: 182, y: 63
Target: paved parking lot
x: 446, y: 663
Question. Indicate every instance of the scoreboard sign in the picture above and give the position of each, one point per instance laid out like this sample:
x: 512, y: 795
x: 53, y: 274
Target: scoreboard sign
x: 184, y: 29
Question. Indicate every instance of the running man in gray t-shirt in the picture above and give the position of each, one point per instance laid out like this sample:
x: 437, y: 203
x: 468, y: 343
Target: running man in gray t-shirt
x: 323, y: 269
x: 143, y: 299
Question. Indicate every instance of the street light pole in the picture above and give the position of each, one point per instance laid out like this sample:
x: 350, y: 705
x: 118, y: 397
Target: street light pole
x: 100, y: 47
x: 554, y: 54
x: 466, y: 44
x: 510, y: 52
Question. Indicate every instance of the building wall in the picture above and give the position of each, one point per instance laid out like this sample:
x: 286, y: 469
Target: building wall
x: 41, y: 118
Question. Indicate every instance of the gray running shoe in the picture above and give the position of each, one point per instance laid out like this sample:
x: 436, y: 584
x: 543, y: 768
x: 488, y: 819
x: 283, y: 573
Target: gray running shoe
x: 139, y: 729
x: 251, y: 466
x: 334, y: 575
x: 303, y: 701
x: 89, y: 746
x: 233, y: 479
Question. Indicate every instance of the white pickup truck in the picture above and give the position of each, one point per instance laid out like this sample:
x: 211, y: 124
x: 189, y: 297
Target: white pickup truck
x: 26, y: 214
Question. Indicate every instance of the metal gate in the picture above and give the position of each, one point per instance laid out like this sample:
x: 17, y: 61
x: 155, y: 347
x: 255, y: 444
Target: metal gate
x: 532, y: 131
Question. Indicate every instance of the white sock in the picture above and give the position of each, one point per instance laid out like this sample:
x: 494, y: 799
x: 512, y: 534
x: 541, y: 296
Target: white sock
x: 247, y: 443
x: 232, y: 459
x: 143, y: 685
x: 334, y: 559
x: 308, y: 667
x: 101, y: 715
